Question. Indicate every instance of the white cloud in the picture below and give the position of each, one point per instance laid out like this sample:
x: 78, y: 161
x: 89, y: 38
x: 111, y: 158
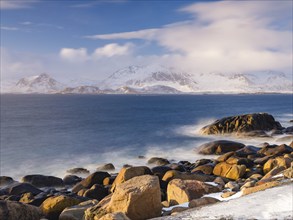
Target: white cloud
x: 16, y: 4
x: 9, y: 28
x: 75, y: 55
x: 26, y: 23
x: 113, y: 49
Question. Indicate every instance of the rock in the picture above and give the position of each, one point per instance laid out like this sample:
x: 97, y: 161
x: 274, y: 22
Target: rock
x: 291, y: 144
x: 30, y: 199
x: 96, y: 192
x: 115, y: 216
x: 262, y: 160
x: 225, y: 156
x: 158, y: 161
x: 202, y: 202
x: 276, y: 162
x: 165, y: 204
x: 248, y: 184
x: 242, y: 124
x: 220, y: 182
x: 160, y: 170
x: 288, y: 173
x: 43, y: 181
x: 227, y: 194
x: 220, y: 147
x: 206, y: 168
x: 78, y: 170
x: 71, y: 179
x: 181, y: 191
x: 230, y: 171
x: 88, y: 182
x: 179, y: 209
x: 288, y: 138
x: 240, y: 161
x: 256, y: 177
x: 21, y: 188
x: 233, y: 186
x: 77, y: 212
x: 250, y: 134
x: 173, y: 174
x: 271, y: 150
x: 10, y: 210
x: 53, y: 206
x: 246, y: 191
x: 247, y: 150
x: 289, y: 130
x: 105, y: 167
x: 175, y: 166
x: 109, y: 180
x: 5, y: 180
x: 274, y: 172
x: 138, y: 198
x: 128, y: 173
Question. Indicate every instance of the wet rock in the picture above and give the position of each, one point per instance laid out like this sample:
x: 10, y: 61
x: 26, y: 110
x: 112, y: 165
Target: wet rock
x: 173, y: 174
x: 88, y: 182
x: 43, y: 181
x: 271, y: 150
x: 181, y: 191
x: 96, y: 192
x: 109, y: 180
x: 30, y: 199
x: 78, y: 170
x: 105, y: 167
x: 175, y: 166
x: 158, y: 161
x: 240, y: 161
x: 21, y: 188
x: 229, y: 171
x: 10, y: 210
x: 115, y: 216
x: 53, y: 206
x: 247, y: 150
x: 242, y: 124
x: 289, y: 130
x: 220, y: 147
x: 225, y: 156
x: 128, y: 173
x: 5, y: 180
x: 206, y: 168
x: 160, y: 170
x: 262, y: 160
x: 71, y: 179
x: 276, y: 162
x: 274, y: 172
x: 202, y: 202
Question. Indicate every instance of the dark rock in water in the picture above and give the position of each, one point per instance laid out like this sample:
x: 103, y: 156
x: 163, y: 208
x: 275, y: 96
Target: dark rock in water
x: 291, y: 121
x: 220, y: 147
x: 174, y: 174
x: 96, y: 192
x: 202, y: 162
x: 175, y: 166
x: 247, y: 150
x: 275, y: 150
x: 5, y: 180
x: 71, y: 179
x: 242, y: 124
x: 20, y: 188
x: 107, y: 166
x: 78, y: 170
x: 206, y: 168
x: 160, y: 170
x: 225, y: 156
x: 276, y: 132
x: 43, y: 181
x: 141, y: 157
x: 94, y: 178
x: 289, y: 130
x: 285, y: 139
x: 240, y: 161
x: 18, y: 211
x: 30, y: 199
x: 258, y: 134
x: 127, y: 165
x: 158, y: 161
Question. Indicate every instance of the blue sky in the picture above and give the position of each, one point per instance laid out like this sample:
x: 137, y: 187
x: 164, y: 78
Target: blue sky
x: 91, y: 39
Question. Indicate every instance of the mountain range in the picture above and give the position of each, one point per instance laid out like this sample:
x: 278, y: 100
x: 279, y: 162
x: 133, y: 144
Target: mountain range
x: 157, y: 80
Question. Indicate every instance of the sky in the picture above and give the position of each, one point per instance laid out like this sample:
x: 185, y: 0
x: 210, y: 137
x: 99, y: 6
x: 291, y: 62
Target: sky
x: 91, y: 39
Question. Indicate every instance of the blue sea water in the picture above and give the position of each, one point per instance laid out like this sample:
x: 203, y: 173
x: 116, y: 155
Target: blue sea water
x: 49, y: 134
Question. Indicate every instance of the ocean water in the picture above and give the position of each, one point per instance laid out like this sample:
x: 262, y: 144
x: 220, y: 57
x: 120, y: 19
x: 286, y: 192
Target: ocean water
x: 48, y: 134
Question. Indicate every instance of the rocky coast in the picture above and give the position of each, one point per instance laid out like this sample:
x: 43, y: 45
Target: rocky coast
x: 163, y: 188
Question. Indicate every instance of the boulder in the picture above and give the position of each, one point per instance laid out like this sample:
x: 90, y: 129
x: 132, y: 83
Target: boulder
x: 289, y: 130
x: 138, y: 198
x: 30, y: 199
x: 220, y: 147
x: 128, y: 173
x: 230, y: 171
x: 10, y: 210
x: 225, y: 156
x: 206, y: 168
x: 240, y: 161
x: 173, y: 174
x: 21, y: 188
x: 5, y: 180
x: 242, y: 124
x: 105, y: 167
x: 77, y: 212
x: 181, y: 191
x: 288, y: 138
x: 271, y: 150
x: 276, y: 162
x: 227, y: 194
x: 88, y: 182
x: 274, y: 172
x: 158, y: 161
x: 78, y: 170
x: 43, y: 181
x: 71, y: 179
x: 96, y: 192
x: 202, y: 202
x: 53, y: 206
x: 115, y: 216
x: 160, y: 170
x: 247, y: 150
x: 246, y: 191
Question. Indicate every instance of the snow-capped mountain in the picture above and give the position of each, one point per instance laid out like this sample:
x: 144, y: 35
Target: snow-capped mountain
x: 147, y: 77
x: 42, y: 83
x: 158, y: 80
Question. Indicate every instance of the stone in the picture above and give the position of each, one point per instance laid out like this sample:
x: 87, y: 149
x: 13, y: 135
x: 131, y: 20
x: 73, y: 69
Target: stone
x: 274, y: 172
x: 248, y: 184
x: 262, y: 160
x: 109, y: 180
x: 53, y: 206
x: 114, y: 216
x: 78, y: 170
x: 272, y: 150
x: 138, y: 198
x: 288, y: 173
x: 96, y: 192
x: 105, y: 167
x: 179, y: 209
x: 288, y: 138
x: 5, y: 180
x: 128, y: 173
x: 175, y: 166
x: 71, y: 179
x: 242, y: 124
x: 227, y: 194
x: 43, y: 181
x: 202, y: 202
x: 173, y: 174
x: 246, y: 191
x: 181, y: 191
x: 225, y: 156
x: 289, y: 130
x: 158, y: 161
x: 220, y: 147
x: 21, y: 188
x: 88, y: 182
x: 240, y: 161
x: 229, y: 171
x: 206, y: 168
x: 77, y: 212
x: 160, y: 170
x: 11, y: 210
x: 232, y: 185
x: 276, y: 162
x: 247, y: 150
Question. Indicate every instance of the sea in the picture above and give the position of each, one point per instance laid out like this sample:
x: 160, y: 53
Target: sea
x: 49, y: 134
